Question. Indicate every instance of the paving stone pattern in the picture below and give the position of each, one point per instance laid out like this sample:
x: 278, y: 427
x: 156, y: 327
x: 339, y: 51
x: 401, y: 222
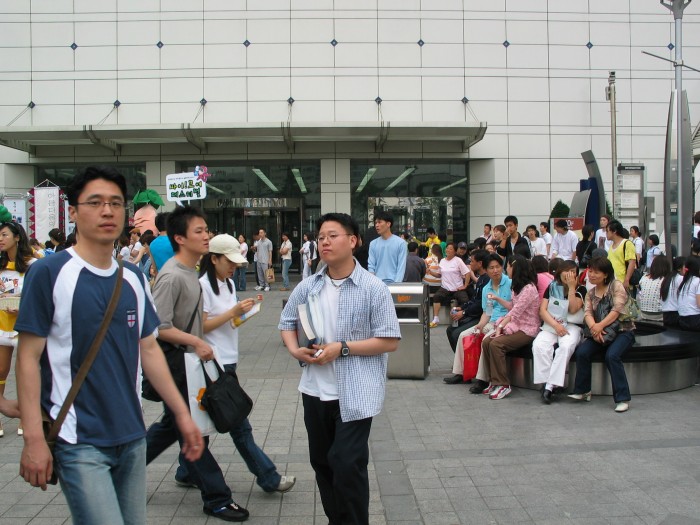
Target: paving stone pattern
x: 439, y: 455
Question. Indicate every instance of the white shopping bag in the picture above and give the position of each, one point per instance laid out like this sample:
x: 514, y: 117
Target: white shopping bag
x: 195, y: 388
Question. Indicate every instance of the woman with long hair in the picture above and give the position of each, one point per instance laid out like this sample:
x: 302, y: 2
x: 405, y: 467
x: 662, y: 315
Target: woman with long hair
x: 608, y: 335
x: 561, y: 325
x: 649, y: 291
x: 689, y: 296
x: 516, y: 329
x: 669, y: 292
x: 16, y: 256
x: 239, y: 273
x: 221, y: 308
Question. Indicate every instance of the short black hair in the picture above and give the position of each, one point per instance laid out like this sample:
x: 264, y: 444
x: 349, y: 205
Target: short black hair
x: 480, y: 242
x: 511, y: 218
x: 561, y: 223
x: 412, y: 246
x: 545, y: 225
x: 162, y: 221
x: 147, y: 238
x: 384, y: 216
x: 178, y: 221
x: 534, y: 229
x: 480, y: 256
x: 540, y: 264
x: 487, y: 224
x: 616, y: 227
x: 345, y: 220
x: 491, y: 258
x: 587, y: 231
x: 77, y: 185
x: 430, y: 230
x: 654, y: 239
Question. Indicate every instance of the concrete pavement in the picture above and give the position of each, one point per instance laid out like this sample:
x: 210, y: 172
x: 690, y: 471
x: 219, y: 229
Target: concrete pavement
x: 439, y: 455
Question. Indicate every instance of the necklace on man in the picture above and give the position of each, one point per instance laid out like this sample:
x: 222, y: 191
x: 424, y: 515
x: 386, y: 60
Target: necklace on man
x: 337, y: 283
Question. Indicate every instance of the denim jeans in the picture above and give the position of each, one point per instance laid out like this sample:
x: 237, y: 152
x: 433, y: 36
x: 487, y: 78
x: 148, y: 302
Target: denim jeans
x: 613, y: 361
x: 239, y: 278
x: 104, y: 485
x: 286, y: 263
x: 259, y: 464
x: 205, y: 472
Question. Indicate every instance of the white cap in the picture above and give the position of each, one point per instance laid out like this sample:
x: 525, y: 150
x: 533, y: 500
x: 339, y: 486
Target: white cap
x: 227, y: 245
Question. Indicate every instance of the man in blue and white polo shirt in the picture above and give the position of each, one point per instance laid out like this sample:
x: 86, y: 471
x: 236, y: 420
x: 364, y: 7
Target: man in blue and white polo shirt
x: 344, y: 377
x: 101, y: 449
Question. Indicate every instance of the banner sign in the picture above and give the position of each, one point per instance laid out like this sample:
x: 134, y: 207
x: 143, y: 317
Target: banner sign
x: 18, y: 209
x: 47, y: 211
x: 185, y: 186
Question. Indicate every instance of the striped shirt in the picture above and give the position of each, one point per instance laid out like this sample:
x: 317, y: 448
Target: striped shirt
x: 365, y: 310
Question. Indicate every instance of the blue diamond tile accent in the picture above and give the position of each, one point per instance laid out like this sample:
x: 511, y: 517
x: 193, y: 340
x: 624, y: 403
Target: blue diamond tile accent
x: 203, y: 102
x: 465, y: 100
x: 160, y: 44
x: 74, y: 46
x: 334, y: 42
x: 31, y: 105
x: 589, y: 45
x: 290, y: 101
x: 670, y: 47
x: 117, y: 103
x: 506, y: 43
x: 421, y: 43
x: 378, y: 100
x: 246, y: 43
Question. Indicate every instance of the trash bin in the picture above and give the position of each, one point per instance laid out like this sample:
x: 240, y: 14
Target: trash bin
x: 412, y: 358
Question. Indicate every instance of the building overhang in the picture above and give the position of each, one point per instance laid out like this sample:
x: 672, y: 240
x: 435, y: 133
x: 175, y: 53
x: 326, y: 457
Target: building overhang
x: 107, y: 139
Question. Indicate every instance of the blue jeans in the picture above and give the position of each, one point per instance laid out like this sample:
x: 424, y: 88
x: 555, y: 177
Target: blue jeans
x: 104, y: 485
x: 205, y: 472
x: 613, y: 361
x: 239, y: 278
x: 259, y: 464
x: 286, y: 263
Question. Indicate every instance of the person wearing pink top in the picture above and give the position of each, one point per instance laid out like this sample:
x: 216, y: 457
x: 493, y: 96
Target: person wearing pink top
x: 455, y: 278
x: 514, y: 330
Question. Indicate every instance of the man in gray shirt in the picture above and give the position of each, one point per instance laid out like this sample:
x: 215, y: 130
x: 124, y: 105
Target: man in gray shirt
x: 178, y: 299
x: 263, y: 250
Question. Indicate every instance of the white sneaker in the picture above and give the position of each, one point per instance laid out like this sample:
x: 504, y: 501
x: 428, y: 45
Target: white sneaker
x: 267, y: 288
x: 500, y: 392
x: 258, y: 288
x: 286, y: 484
x: 622, y: 407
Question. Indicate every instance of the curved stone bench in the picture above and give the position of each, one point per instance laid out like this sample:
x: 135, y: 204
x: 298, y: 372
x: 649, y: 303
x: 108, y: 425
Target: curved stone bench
x: 661, y: 360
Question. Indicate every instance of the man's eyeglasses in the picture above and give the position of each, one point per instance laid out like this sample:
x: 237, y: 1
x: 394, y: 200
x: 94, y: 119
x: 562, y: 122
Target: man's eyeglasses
x: 331, y: 237
x: 94, y: 205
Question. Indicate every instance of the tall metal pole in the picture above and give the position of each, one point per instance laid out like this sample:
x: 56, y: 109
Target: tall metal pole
x: 611, y: 96
x: 685, y: 187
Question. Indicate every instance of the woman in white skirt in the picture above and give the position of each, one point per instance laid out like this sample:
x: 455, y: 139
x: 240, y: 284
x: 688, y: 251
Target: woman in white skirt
x: 561, y: 311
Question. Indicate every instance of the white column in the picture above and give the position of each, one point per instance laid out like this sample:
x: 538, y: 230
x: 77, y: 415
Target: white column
x: 156, y: 171
x: 482, y: 195
x: 335, y: 185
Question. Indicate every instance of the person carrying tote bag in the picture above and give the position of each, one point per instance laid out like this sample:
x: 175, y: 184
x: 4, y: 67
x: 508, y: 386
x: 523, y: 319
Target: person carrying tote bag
x: 562, y: 327
x: 608, y: 329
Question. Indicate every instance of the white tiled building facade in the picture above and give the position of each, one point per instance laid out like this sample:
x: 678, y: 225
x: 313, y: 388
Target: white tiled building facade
x: 533, y: 71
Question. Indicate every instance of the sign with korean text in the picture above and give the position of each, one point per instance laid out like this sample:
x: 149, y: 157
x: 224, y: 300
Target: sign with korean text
x: 184, y: 187
x: 47, y: 210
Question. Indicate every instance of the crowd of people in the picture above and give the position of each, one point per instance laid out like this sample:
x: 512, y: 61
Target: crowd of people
x: 565, y: 298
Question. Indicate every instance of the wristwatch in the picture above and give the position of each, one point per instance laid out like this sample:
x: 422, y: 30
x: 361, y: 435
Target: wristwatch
x: 344, y: 350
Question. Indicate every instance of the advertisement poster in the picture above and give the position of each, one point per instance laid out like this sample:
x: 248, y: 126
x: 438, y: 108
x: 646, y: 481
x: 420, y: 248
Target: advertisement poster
x: 18, y: 209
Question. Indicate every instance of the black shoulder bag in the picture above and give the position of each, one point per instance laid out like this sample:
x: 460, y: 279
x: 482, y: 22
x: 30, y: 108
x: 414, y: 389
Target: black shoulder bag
x: 175, y: 356
x: 225, y: 400
x: 637, y: 273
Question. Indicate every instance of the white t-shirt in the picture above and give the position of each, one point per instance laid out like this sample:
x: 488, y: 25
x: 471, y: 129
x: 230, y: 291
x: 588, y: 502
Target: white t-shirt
x: 244, y: 249
x: 671, y: 302
x: 288, y: 245
x: 687, y: 298
x: 225, y: 337
x: 319, y: 381
x: 565, y: 245
x: 547, y: 238
x: 638, y: 246
x: 540, y: 246
x: 601, y: 240
x: 125, y: 253
x: 452, y: 273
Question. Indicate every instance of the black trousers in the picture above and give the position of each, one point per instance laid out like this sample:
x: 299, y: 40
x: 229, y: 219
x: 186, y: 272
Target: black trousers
x: 453, y: 332
x: 339, y: 453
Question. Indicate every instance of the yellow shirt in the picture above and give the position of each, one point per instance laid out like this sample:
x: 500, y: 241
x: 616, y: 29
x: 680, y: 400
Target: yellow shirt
x: 619, y: 257
x: 432, y: 240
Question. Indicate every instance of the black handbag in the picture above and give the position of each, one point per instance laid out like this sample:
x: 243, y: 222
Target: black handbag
x: 604, y: 307
x: 636, y: 274
x: 175, y: 357
x: 225, y: 400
